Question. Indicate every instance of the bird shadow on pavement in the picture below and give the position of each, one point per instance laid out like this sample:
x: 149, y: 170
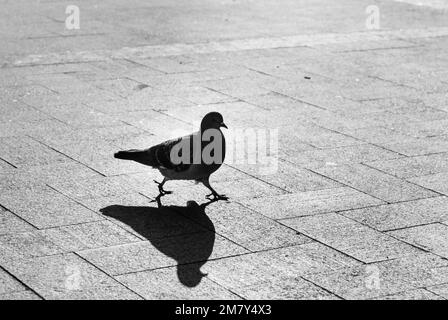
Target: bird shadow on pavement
x: 183, y: 233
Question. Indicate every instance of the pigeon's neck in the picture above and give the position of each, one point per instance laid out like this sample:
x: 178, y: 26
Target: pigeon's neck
x: 203, y: 129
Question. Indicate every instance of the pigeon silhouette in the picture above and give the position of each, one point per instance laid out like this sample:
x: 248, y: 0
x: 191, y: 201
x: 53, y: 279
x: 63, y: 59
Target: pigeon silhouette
x: 193, y: 157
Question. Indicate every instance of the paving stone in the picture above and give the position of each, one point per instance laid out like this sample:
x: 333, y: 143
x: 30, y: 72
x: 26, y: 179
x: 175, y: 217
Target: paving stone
x: 157, y: 123
x: 375, y: 183
x: 383, y: 278
x: 430, y: 237
x: 164, y: 284
x: 288, y: 176
x: 8, y: 284
x: 80, y: 116
x: 10, y: 223
x: 417, y: 294
x: 69, y: 277
x: 350, y: 237
x: 419, y: 146
x: 401, y: 215
x: 249, y: 229
x: 170, y: 64
x: 18, y: 111
x: 315, y: 136
x: 121, y: 87
x: 311, y: 202
x: 161, y: 252
x: 413, y: 166
x: 44, y: 207
x: 21, y: 295
x: 25, y: 152
x: 88, y: 188
x: 247, y: 274
x: 440, y: 290
x: 235, y: 189
x: 89, y: 235
x: 21, y: 246
x: 436, y: 182
x: 309, y: 258
x: 344, y: 155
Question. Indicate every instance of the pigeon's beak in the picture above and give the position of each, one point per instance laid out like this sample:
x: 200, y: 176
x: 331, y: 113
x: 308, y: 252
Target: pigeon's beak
x: 223, y: 125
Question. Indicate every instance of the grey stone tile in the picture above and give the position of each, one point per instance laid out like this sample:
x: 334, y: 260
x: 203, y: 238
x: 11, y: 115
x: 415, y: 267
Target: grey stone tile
x: 418, y: 146
x: 375, y: 183
x: 401, y: 215
x: 8, y: 284
x: 248, y: 274
x: 235, y: 189
x: 413, y: 166
x: 57, y: 172
x: 309, y: 258
x: 315, y: 136
x: 248, y: 228
x: 14, y: 110
x: 23, y: 151
x: 440, y: 290
x: 90, y: 235
x: 286, y: 288
x: 88, y: 188
x: 288, y: 176
x: 436, y: 182
x: 10, y: 223
x: 157, y: 123
x: 21, y: 295
x: 164, y: 284
x: 5, y: 167
x: 344, y: 155
x: 384, y: 278
x: 417, y: 294
x: 311, y: 202
x: 80, y: 116
x: 161, y: 252
x: 44, y: 207
x: 21, y: 246
x: 350, y: 237
x: 431, y: 237
x: 69, y: 277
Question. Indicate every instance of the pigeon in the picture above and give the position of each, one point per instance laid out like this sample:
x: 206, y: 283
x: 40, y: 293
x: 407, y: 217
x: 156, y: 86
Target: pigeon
x: 185, y: 158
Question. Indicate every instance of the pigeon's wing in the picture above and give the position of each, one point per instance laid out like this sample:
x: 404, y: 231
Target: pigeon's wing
x: 162, y: 153
x: 159, y: 156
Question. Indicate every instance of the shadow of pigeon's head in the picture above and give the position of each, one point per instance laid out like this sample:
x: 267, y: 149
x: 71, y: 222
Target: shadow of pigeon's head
x: 190, y: 275
x: 213, y: 120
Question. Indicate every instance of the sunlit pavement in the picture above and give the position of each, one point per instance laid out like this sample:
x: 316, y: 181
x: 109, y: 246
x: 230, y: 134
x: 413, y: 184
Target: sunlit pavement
x: 352, y: 204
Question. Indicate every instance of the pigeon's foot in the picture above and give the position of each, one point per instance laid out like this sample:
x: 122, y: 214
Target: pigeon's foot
x: 216, y: 197
x: 161, y: 190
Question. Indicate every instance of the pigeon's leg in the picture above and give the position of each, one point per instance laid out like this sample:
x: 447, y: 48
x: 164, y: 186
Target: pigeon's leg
x: 216, y: 196
x: 160, y: 185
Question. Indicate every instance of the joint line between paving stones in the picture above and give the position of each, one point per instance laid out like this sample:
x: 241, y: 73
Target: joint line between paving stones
x: 323, y: 288
x: 342, y: 183
x: 110, y: 276
x: 21, y: 282
x: 19, y: 217
x: 323, y: 243
x: 1, y: 159
x: 257, y: 178
x: 404, y: 180
x: 65, y: 155
x: 414, y: 226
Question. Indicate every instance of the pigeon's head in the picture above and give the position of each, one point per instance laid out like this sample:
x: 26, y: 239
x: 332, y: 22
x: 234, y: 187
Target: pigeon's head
x: 213, y: 120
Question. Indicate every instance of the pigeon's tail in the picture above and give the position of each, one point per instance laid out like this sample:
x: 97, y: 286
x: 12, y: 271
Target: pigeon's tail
x: 127, y: 155
x: 146, y: 157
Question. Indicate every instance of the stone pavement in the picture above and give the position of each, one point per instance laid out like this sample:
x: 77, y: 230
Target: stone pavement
x: 357, y: 208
